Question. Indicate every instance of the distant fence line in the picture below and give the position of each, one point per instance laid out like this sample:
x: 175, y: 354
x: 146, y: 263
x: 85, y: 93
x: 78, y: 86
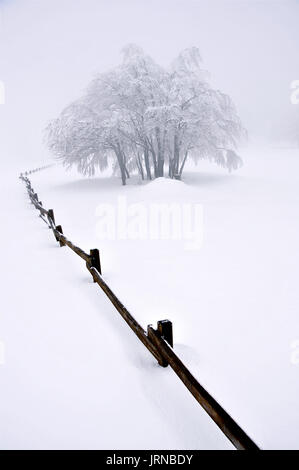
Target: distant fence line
x: 158, y: 341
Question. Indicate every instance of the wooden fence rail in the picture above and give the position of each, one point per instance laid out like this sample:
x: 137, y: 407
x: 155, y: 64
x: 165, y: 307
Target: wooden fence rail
x: 158, y: 341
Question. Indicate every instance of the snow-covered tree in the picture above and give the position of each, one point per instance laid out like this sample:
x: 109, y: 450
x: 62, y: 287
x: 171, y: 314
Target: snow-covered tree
x: 205, y: 123
x: 143, y: 117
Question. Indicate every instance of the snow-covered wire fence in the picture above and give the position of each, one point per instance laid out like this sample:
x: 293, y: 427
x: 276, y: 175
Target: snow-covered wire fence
x: 158, y: 341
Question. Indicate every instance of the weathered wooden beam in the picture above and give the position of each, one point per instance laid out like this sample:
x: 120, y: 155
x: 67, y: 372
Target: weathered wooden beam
x: 64, y: 241
x: 223, y: 420
x: 45, y: 220
x: 161, y: 360
x: 129, y: 319
x: 39, y: 207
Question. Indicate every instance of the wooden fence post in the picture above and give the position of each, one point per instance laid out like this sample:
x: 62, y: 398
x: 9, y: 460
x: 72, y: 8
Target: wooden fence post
x: 95, y: 260
x: 165, y: 330
x: 51, y: 216
x: 59, y: 229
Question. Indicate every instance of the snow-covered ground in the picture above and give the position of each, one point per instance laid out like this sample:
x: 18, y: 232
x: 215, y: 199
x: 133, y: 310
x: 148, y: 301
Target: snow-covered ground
x: 72, y: 374
x: 75, y: 376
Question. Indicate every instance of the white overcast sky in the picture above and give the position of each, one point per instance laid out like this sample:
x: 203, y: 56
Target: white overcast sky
x: 50, y: 50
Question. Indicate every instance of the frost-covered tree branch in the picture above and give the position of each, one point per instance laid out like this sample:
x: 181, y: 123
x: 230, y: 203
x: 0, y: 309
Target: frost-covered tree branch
x: 143, y: 117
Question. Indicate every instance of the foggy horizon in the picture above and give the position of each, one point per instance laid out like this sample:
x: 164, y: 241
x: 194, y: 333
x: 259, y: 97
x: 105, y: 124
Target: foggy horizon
x: 51, y: 51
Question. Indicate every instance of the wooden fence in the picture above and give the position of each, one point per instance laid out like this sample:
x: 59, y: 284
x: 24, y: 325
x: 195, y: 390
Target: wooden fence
x: 158, y: 341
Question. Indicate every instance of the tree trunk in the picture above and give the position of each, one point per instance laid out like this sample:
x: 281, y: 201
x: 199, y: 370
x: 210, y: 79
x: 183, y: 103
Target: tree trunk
x: 183, y: 163
x: 176, y: 155
x: 123, y: 174
x: 121, y: 163
x: 155, y: 163
x: 170, y: 167
x: 160, y: 167
x: 140, y: 166
x: 147, y: 163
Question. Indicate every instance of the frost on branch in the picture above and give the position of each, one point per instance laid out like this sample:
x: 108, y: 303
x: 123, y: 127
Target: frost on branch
x: 144, y: 118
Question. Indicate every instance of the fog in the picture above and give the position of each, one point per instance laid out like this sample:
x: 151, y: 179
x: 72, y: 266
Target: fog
x: 50, y: 50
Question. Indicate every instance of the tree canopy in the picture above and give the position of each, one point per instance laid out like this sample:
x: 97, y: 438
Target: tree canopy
x: 146, y: 118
